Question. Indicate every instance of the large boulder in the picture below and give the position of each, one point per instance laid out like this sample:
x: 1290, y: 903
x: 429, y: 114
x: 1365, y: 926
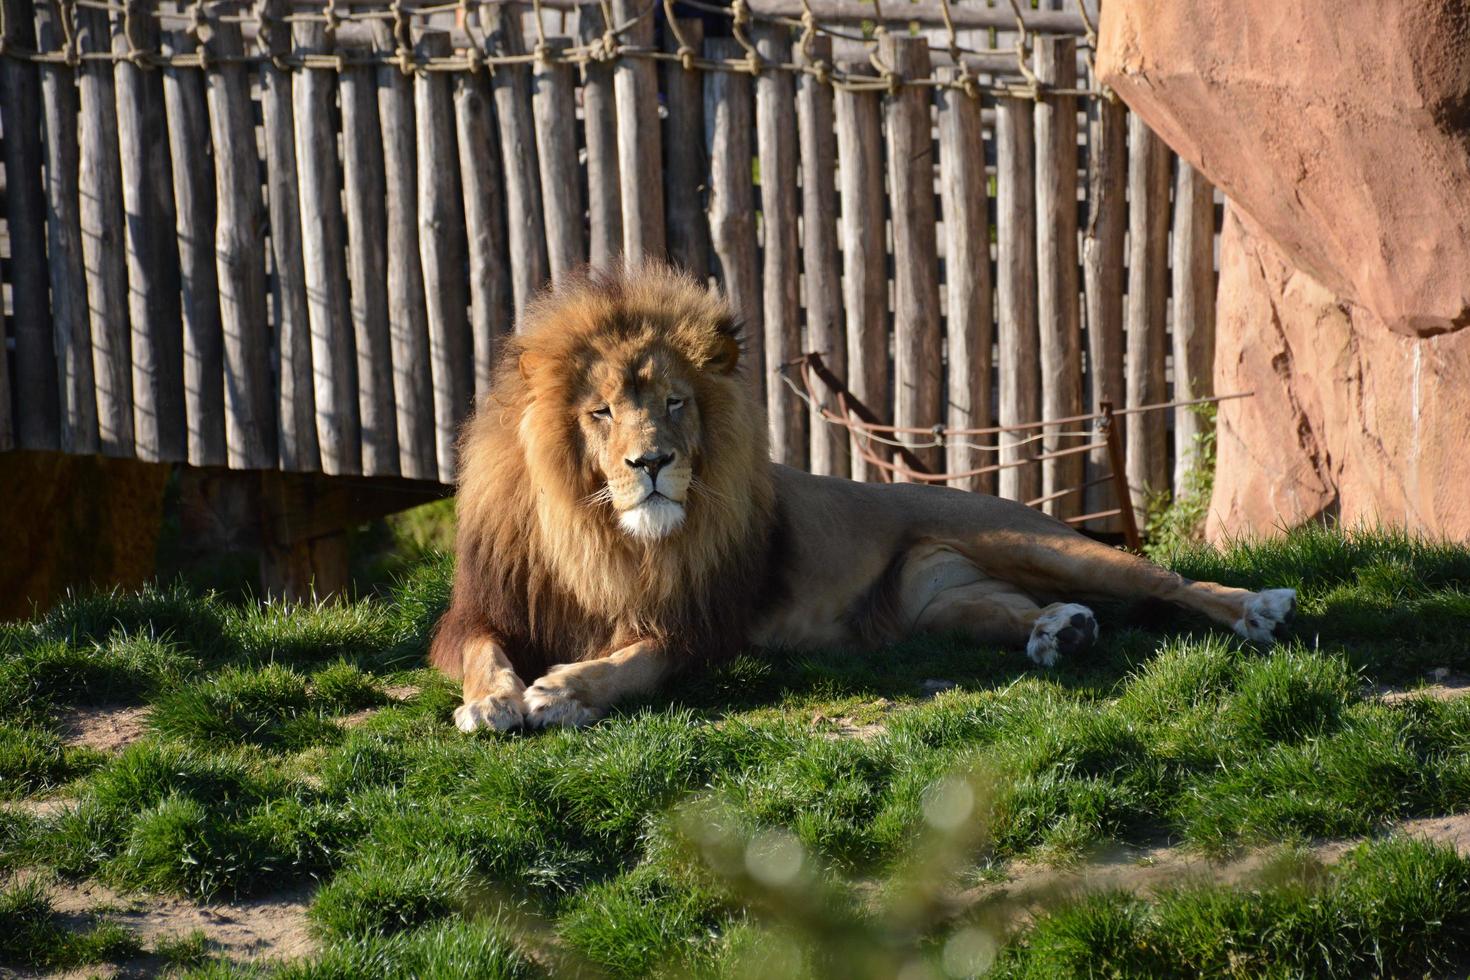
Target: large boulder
x: 1348, y: 420
x: 1343, y: 129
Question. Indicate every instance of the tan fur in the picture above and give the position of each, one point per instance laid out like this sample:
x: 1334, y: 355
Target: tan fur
x: 560, y: 580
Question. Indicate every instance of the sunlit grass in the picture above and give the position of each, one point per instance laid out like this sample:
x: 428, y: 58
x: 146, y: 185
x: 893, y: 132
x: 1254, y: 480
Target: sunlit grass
x: 645, y: 844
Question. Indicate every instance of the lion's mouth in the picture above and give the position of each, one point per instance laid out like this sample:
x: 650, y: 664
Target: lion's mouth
x: 655, y: 516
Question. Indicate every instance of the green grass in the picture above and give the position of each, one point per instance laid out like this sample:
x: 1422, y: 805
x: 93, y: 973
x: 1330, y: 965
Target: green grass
x: 727, y: 828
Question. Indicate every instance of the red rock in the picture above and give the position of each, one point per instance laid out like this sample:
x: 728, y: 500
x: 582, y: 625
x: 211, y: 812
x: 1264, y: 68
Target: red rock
x: 1348, y: 419
x: 1343, y: 129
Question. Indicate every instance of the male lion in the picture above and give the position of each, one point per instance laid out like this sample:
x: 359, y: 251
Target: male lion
x: 619, y: 519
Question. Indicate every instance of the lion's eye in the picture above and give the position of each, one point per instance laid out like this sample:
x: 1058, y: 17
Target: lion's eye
x: 675, y: 403
x: 602, y: 413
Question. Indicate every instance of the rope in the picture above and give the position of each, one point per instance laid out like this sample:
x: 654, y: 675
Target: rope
x: 475, y: 55
x: 1023, y: 52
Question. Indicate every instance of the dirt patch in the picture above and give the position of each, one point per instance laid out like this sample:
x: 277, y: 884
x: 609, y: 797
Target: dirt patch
x: 270, y: 928
x: 41, y: 808
x: 107, y: 728
x: 1443, y: 686
x: 1031, y: 888
x: 398, y: 693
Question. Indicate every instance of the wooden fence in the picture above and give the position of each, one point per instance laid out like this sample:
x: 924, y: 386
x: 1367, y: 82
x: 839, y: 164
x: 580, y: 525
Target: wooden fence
x: 288, y: 236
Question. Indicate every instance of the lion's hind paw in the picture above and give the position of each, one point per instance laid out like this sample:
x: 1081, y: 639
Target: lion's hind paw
x: 552, y: 705
x: 1061, y: 630
x: 1267, y: 615
x: 495, y: 712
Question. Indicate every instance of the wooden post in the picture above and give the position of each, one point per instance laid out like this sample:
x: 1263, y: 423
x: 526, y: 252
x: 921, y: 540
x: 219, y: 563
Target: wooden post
x: 971, y: 317
x: 492, y: 311
x: 600, y: 114
x: 194, y: 216
x: 298, y: 448
x: 825, y: 331
x: 685, y: 166
x: 1148, y: 283
x: 728, y: 115
x: 443, y: 252
x: 1057, y: 313
x: 864, y: 248
x: 1194, y: 310
x: 640, y: 150
x: 918, y: 370
x: 511, y: 84
x: 157, y: 343
x: 555, y: 108
x: 324, y: 257
x: 365, y: 193
x: 408, y: 320
x: 1016, y: 325
x: 64, y: 245
x: 1102, y: 273
x: 775, y: 117
x: 250, y: 412
x: 37, y: 398
x: 101, y: 214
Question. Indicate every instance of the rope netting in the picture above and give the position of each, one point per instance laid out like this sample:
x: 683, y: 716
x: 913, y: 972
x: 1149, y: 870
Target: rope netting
x: 200, y: 20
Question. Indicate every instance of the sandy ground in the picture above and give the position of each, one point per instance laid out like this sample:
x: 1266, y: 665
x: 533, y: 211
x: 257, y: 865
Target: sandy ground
x: 107, y: 728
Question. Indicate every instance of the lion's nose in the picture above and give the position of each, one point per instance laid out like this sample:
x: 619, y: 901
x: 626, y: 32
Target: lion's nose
x: 651, y: 462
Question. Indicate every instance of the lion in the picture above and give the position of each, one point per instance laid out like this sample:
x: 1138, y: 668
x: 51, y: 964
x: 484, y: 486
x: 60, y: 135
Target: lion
x: 620, y: 519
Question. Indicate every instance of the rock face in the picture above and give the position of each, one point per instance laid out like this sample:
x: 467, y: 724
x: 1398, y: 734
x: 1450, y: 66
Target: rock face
x: 1348, y: 419
x: 1343, y: 129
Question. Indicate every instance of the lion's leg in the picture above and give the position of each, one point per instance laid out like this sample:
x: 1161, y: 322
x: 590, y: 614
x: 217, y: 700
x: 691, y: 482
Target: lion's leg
x: 493, y: 692
x: 580, y: 693
x: 992, y: 612
x: 1075, y: 566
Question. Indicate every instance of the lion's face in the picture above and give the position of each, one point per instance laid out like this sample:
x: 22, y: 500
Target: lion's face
x: 639, y: 419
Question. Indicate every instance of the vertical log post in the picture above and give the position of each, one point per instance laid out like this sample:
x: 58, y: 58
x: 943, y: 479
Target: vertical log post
x: 1148, y: 283
x: 825, y: 331
x: 684, y: 161
x: 917, y: 367
x: 971, y: 324
x: 408, y: 320
x: 1016, y: 324
x: 299, y: 449
x: 73, y: 336
x: 1194, y: 311
x: 728, y: 116
x: 157, y: 348
x: 600, y: 116
x: 1102, y: 273
x: 365, y: 194
x: 1057, y: 311
x: 37, y: 423
x: 101, y: 216
x: 443, y: 252
x: 194, y: 220
x: 511, y: 84
x: 492, y: 307
x: 775, y: 116
x: 324, y: 256
x: 640, y: 149
x: 554, y: 106
x: 864, y: 249
x: 250, y: 411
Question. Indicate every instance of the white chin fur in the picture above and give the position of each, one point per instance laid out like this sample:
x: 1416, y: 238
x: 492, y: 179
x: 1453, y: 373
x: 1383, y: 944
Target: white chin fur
x: 654, y: 518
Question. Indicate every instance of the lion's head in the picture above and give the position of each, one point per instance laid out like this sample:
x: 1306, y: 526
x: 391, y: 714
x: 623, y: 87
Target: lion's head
x: 615, y: 480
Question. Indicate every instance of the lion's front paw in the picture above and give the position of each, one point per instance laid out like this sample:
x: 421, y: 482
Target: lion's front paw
x: 1060, y: 631
x: 550, y: 703
x: 496, y: 712
x: 1268, y: 615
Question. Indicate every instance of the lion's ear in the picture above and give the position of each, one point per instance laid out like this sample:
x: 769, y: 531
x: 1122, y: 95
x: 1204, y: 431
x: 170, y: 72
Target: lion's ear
x: 724, y: 353
x: 531, y: 362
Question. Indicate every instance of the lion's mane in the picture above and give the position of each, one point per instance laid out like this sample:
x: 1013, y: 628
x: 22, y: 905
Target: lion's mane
x: 548, y: 573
